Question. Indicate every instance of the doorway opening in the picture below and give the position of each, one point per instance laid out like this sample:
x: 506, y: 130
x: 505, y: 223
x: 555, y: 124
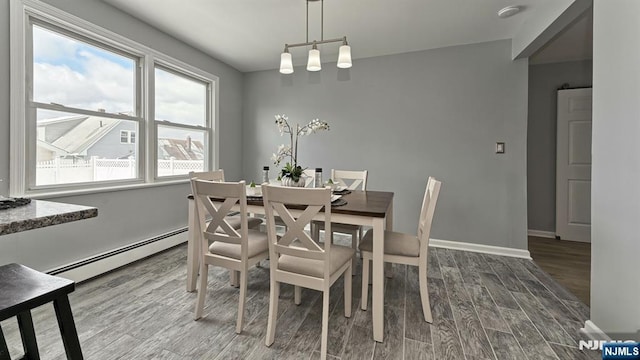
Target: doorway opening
x: 560, y: 76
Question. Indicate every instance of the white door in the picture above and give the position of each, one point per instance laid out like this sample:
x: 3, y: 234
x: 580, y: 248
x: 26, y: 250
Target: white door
x: 573, y: 165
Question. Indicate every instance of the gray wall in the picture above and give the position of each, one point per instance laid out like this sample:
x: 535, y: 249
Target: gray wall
x: 124, y: 216
x: 406, y: 117
x: 615, y: 194
x: 544, y: 81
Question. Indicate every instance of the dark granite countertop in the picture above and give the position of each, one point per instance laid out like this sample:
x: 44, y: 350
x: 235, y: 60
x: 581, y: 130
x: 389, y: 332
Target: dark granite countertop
x: 40, y: 213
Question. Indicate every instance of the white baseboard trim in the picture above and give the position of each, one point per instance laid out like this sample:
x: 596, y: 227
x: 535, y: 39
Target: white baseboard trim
x: 99, y: 264
x: 592, y: 332
x: 542, y: 234
x: 485, y: 249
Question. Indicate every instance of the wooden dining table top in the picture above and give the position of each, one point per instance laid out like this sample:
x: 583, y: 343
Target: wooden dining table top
x: 360, y: 203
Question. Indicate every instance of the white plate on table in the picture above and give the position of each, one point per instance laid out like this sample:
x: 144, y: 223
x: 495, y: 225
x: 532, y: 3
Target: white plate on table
x: 335, y: 197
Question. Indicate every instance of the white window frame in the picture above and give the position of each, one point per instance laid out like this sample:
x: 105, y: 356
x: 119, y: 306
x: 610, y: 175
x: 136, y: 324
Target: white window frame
x: 23, y: 139
x: 168, y: 67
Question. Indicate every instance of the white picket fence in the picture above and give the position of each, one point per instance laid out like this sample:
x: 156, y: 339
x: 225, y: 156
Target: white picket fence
x: 64, y: 171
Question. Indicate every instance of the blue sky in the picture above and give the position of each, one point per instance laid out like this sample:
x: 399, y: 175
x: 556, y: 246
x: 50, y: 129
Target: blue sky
x: 72, y: 52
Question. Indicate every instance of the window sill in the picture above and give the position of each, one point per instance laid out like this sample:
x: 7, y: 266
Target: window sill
x: 105, y: 189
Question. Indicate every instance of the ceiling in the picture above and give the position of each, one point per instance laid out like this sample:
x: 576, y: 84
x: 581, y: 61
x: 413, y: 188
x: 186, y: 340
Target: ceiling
x: 572, y: 44
x: 250, y: 34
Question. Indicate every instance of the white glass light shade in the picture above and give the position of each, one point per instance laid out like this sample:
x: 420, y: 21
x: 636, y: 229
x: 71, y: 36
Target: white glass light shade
x: 313, y: 64
x: 286, y: 65
x: 344, y: 57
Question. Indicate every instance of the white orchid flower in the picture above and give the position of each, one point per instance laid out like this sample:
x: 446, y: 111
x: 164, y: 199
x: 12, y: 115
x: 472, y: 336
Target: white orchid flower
x: 282, y: 122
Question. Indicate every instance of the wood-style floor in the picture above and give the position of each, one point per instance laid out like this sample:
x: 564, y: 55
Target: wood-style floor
x: 568, y: 262
x: 484, y: 307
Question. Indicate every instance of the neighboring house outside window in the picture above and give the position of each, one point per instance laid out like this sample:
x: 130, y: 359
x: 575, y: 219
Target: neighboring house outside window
x: 79, y: 127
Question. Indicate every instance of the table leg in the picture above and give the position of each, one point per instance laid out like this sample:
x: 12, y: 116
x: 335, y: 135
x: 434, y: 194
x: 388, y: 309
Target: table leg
x: 388, y: 269
x: 234, y: 278
x: 67, y: 328
x: 28, y: 335
x: 378, y: 279
x: 193, y: 253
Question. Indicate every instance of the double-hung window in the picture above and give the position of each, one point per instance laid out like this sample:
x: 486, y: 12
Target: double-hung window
x: 91, y: 109
x: 181, y: 109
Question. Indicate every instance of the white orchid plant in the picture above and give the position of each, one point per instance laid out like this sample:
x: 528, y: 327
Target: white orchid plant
x: 292, y: 169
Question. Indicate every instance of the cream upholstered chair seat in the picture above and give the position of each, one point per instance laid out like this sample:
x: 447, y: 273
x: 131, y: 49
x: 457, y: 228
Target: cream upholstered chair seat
x: 311, y: 267
x: 235, y: 221
x: 395, y: 243
x: 258, y: 243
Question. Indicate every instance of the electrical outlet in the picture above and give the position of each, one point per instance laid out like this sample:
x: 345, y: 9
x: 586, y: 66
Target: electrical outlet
x: 499, y: 148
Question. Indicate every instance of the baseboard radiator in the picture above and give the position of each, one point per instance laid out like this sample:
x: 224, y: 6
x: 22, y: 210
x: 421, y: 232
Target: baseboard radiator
x: 99, y: 264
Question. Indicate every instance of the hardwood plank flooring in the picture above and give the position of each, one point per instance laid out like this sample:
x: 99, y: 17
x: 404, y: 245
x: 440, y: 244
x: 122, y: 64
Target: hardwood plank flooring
x: 484, y: 307
x: 568, y: 262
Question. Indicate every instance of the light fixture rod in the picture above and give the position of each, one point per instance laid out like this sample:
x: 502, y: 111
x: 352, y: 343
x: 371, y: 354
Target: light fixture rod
x: 321, y: 20
x: 317, y: 42
x: 307, y: 22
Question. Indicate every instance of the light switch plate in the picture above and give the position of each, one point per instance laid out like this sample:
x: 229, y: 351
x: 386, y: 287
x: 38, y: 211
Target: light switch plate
x: 499, y: 148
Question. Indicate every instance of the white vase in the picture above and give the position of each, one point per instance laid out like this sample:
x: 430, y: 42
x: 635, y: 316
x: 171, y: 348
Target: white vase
x: 287, y: 181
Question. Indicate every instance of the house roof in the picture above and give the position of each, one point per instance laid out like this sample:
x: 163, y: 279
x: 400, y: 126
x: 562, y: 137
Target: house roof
x: 180, y: 149
x: 85, y: 134
x: 85, y: 131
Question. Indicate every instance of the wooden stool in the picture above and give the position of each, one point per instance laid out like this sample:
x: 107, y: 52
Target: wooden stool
x: 22, y: 289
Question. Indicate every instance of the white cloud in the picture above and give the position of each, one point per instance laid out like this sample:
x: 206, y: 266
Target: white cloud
x: 179, y: 99
x: 72, y: 73
x: 62, y: 85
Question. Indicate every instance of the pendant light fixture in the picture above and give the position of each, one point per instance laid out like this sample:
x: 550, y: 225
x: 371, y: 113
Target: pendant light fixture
x: 313, y: 62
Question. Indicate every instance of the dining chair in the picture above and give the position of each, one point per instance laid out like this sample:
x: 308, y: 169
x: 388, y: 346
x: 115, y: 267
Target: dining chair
x: 309, y: 176
x: 218, y: 175
x: 400, y: 248
x: 233, y: 220
x: 351, y: 180
x: 233, y: 249
x: 298, y: 260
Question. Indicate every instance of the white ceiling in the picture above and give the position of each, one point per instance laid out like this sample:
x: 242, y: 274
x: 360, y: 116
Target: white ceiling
x: 250, y: 34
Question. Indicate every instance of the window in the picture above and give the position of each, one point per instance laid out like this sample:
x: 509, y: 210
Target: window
x: 87, y: 96
x: 181, y: 119
x: 81, y: 93
x: 127, y: 137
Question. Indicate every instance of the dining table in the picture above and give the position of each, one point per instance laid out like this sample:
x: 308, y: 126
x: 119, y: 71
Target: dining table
x: 365, y: 208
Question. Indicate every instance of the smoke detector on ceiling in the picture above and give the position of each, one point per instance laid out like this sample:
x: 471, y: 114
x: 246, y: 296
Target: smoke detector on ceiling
x: 508, y: 11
